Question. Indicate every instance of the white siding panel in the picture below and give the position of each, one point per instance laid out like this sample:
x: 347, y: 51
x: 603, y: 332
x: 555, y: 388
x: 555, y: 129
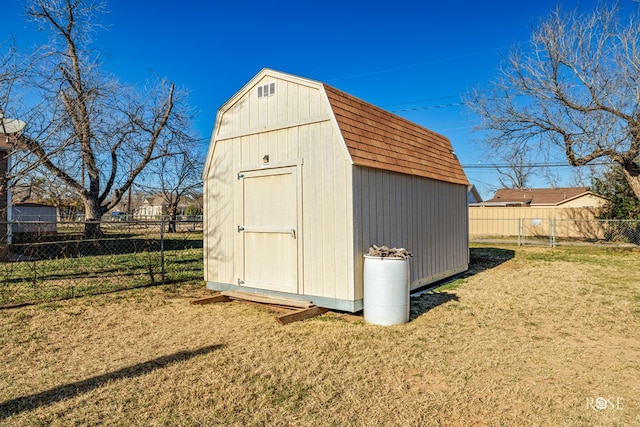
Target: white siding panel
x: 242, y: 115
x: 303, y: 104
x: 218, y: 242
x: 293, y: 103
x: 282, y: 101
x: 315, y: 104
x: 270, y: 103
x: 328, y: 211
x: 313, y: 202
x: 293, y: 143
x: 254, y: 113
x: 426, y: 217
x: 289, y: 127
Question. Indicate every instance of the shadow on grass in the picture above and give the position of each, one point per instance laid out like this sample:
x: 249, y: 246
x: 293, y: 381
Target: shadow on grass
x: 109, y: 245
x: 485, y: 259
x: 68, y: 391
x: 438, y: 293
x: 425, y: 302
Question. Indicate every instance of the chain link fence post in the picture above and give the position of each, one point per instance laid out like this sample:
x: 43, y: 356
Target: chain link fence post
x: 520, y: 232
x: 162, y: 264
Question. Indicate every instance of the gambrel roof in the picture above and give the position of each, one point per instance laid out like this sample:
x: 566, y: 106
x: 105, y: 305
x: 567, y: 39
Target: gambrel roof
x: 373, y: 137
x: 379, y: 139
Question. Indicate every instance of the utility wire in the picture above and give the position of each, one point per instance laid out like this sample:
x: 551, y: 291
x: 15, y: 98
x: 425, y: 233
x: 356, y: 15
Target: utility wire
x: 421, y: 100
x: 429, y: 107
x: 531, y: 165
x: 435, y: 61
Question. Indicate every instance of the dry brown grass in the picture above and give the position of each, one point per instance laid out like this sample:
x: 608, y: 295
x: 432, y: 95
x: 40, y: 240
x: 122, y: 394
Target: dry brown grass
x: 526, y: 342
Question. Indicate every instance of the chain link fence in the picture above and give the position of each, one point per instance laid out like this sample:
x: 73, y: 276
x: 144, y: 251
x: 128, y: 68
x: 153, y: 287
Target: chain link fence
x: 553, y: 231
x: 43, y: 261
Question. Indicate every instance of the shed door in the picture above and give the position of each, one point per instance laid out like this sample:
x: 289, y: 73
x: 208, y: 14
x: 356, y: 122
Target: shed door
x: 269, y: 233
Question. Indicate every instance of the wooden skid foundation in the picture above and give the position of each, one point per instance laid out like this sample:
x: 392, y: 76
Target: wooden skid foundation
x: 289, y: 310
x: 267, y: 299
x: 211, y: 299
x: 305, y: 313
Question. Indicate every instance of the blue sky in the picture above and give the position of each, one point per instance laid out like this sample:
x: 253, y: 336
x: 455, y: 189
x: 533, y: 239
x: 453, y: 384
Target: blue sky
x: 414, y: 58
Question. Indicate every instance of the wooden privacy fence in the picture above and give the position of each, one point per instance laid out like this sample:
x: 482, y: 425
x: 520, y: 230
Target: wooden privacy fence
x: 531, y: 225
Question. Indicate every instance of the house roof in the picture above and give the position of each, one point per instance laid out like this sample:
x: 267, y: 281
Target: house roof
x: 379, y: 139
x: 473, y: 196
x: 537, y: 196
x: 158, y: 200
x: 154, y: 200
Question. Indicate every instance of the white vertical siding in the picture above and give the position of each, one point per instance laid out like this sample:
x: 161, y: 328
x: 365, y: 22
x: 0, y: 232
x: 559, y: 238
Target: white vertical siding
x: 218, y: 187
x: 427, y: 217
x: 292, y: 125
x: 343, y: 211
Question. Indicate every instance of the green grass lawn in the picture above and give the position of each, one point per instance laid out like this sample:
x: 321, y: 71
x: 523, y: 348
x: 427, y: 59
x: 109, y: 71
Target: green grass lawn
x: 57, y: 270
x: 529, y: 336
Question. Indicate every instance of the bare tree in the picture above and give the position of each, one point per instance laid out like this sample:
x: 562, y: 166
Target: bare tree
x: 178, y: 178
x: 517, y: 171
x: 12, y: 68
x: 90, y: 131
x: 575, y: 89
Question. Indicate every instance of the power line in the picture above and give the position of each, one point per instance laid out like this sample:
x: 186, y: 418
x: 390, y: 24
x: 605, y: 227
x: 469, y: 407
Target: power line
x: 421, y: 100
x: 481, y: 182
x: 435, y: 61
x: 429, y: 107
x: 532, y: 165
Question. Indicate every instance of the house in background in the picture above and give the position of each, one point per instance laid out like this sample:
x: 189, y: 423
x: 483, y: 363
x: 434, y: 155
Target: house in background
x: 302, y: 178
x: 155, y: 206
x: 563, y: 212
x: 151, y: 207
x: 570, y: 197
x: 473, y: 196
x: 33, y: 218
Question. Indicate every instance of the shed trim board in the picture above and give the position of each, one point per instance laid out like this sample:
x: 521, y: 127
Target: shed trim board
x: 310, y: 121
x: 334, y: 121
x: 311, y: 177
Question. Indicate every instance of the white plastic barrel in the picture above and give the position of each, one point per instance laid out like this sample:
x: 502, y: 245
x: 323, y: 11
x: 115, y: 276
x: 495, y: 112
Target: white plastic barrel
x: 386, y: 290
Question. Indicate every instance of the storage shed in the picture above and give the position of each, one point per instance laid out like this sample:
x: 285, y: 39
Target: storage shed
x: 34, y: 218
x: 302, y: 178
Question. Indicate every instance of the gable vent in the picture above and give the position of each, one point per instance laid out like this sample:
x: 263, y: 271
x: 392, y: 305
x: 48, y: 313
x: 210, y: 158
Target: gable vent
x: 266, y: 90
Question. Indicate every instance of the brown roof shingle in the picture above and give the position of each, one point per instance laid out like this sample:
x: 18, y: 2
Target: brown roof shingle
x: 537, y: 196
x: 379, y: 139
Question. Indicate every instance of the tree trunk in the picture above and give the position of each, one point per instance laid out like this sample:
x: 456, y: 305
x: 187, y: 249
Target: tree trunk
x: 632, y: 175
x: 92, y: 215
x: 173, y: 217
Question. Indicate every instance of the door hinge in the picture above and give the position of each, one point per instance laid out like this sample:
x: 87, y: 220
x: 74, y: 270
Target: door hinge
x: 240, y: 282
x: 240, y: 228
x: 240, y: 175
